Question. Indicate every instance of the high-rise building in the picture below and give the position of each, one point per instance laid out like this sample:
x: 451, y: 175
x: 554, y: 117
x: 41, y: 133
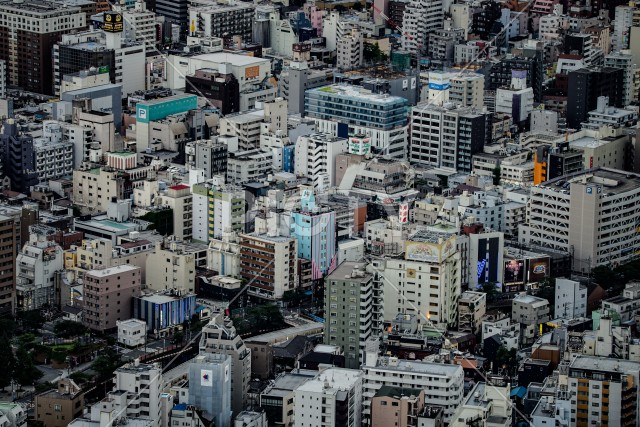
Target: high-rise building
x: 179, y: 199
x: 28, y: 33
x: 467, y: 90
x: 8, y: 244
x: 353, y: 311
x: 515, y: 100
x: 623, y: 61
x: 345, y: 110
x: 315, y: 158
x: 447, y: 137
x: 221, y: 89
x: 586, y: 85
x: 268, y: 263
x: 36, y: 266
x: 622, y: 23
x: 108, y: 295
x: 315, y: 230
x: 332, y: 399
x: 208, y: 155
x: 419, y: 19
x: 210, y: 387
x: 350, y: 50
x: 143, y: 384
x: 577, y: 213
x: 219, y: 336
x: 3, y: 78
x: 226, y: 209
x: 19, y: 158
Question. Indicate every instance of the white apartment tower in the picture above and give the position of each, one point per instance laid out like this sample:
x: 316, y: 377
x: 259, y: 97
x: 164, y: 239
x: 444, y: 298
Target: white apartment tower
x: 420, y: 18
x: 350, y: 50
x: 622, y: 23
x: 331, y: 399
x: 315, y: 158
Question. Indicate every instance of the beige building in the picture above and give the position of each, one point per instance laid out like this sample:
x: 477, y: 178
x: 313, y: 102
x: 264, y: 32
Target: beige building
x: 94, y: 188
x: 108, y: 294
x: 269, y: 264
x: 171, y: 266
x: 396, y: 406
x: 472, y: 307
x: 179, y: 199
x: 486, y: 405
x: 57, y: 407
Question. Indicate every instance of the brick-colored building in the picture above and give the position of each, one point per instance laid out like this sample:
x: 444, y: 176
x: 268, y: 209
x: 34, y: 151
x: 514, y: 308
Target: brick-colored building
x: 108, y: 294
x: 7, y: 264
x: 396, y: 406
x: 56, y: 408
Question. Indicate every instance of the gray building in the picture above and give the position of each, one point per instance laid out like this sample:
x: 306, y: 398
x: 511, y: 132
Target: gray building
x: 210, y: 387
x: 210, y: 155
x: 353, y: 311
x: 103, y: 98
x: 529, y: 310
x: 18, y: 157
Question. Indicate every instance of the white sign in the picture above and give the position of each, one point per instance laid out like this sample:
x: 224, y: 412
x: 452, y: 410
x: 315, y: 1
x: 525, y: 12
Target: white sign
x: 206, y: 378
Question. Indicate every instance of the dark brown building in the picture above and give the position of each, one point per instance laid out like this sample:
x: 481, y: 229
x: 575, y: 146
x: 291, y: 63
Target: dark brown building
x: 222, y: 90
x: 27, y: 43
x: 7, y: 265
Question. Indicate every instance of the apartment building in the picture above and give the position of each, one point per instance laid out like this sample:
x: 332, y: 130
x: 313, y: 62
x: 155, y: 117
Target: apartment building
x: 353, y: 304
x: 94, y: 188
x: 350, y: 50
x: 485, y: 401
x: 219, y: 336
x: 36, y: 266
x: 58, y: 406
x: 315, y: 158
x: 447, y: 137
x: 108, y: 294
x: 179, y: 199
x: 249, y: 166
x: 172, y: 265
x: 420, y: 18
x: 268, y: 263
x: 467, y: 89
x: 396, y: 406
x: 443, y: 384
x: 590, y: 214
x: 226, y: 210
x: 331, y: 399
x: 530, y: 310
x: 210, y: 386
x: 425, y: 281
x: 472, y: 307
x: 8, y: 244
x: 224, y: 19
x: 28, y: 33
x: 141, y: 386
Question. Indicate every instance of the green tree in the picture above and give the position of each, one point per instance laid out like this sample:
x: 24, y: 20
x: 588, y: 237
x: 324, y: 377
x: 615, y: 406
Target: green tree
x: 604, y: 276
x: 105, y: 364
x: 178, y: 337
x: 547, y: 291
x: 7, y: 361
x: 372, y: 53
x: 25, y: 372
x: 69, y: 329
x: 506, y: 358
x: 489, y: 288
x: 496, y: 175
x: 292, y: 298
x: 31, y: 320
x: 162, y: 221
x: 8, y: 327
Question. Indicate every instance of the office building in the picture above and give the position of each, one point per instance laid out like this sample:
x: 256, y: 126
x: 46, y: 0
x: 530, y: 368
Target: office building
x: 605, y: 115
x: 28, y: 34
x: 164, y: 312
x: 36, y: 265
x: 3, y: 78
x: 353, y: 306
x: 210, y: 387
x: 315, y: 231
x: 623, y: 61
x: 225, y: 19
x: 19, y: 159
x: 8, y: 244
x: 345, y: 110
x: 443, y: 384
x: 315, y: 158
x: 208, y: 155
x: 333, y: 398
x: 268, y: 262
x: 142, y: 384
x: 172, y: 265
x: 486, y: 253
x: 225, y: 210
x: 586, y: 85
x: 576, y: 214
x: 350, y: 50
x: 108, y: 294
x: 221, y: 89
x: 516, y: 100
x: 447, y: 137
x: 420, y: 18
x: 530, y: 61
x: 467, y: 89
x: 554, y: 161
x: 249, y: 166
x: 429, y: 258
x: 57, y: 407
x: 219, y: 336
x: 178, y: 198
x: 623, y: 20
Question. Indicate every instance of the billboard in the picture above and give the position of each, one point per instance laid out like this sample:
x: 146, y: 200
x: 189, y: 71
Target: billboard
x: 113, y: 22
x: 416, y: 251
x: 538, y: 269
x: 514, y: 271
x: 147, y: 111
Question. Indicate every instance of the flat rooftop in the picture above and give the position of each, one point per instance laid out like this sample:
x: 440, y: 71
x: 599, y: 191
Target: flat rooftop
x: 119, y: 269
x: 232, y: 58
x: 427, y: 236
x: 612, y: 180
x: 345, y: 270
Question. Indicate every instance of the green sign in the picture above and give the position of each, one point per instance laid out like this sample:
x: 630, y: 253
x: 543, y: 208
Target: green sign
x: 103, y: 69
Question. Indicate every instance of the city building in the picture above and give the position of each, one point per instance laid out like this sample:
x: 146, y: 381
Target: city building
x: 249, y: 166
x: 472, y: 307
x: 420, y: 18
x: 565, y: 211
x: 132, y: 332
x: 353, y: 322
x: 516, y: 100
x: 396, y: 406
x: 208, y: 155
x: 332, y: 398
x: 571, y: 299
x: 529, y: 310
x: 277, y: 399
x: 108, y: 294
x: 36, y: 266
x: 586, y: 85
x: 350, y: 50
x: 57, y: 407
x: 443, y: 384
x: 221, y: 89
x: 164, y: 312
x: 178, y: 198
x: 210, y: 387
x: 485, y: 401
x: 315, y: 158
x: 315, y: 230
x: 142, y: 384
x: 8, y: 245
x: 224, y: 19
x: 178, y: 260
x: 219, y: 336
x: 39, y: 25
x: 226, y: 210
x: 268, y: 263
x: 357, y: 111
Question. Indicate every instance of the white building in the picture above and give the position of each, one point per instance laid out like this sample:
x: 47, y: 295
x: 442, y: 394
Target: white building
x: 3, y: 79
x: 419, y: 19
x: 332, y: 399
x: 36, y: 267
x: 54, y: 154
x: 467, y: 89
x: 315, y: 158
x: 622, y: 23
x: 516, y: 100
x: 443, y: 384
x: 132, y: 332
x: 249, y: 166
x: 350, y: 52
x: 571, y: 299
x: 427, y: 279
x: 489, y: 404
x: 623, y: 61
x: 223, y: 255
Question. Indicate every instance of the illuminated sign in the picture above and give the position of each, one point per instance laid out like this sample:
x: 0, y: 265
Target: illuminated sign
x: 113, y: 22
